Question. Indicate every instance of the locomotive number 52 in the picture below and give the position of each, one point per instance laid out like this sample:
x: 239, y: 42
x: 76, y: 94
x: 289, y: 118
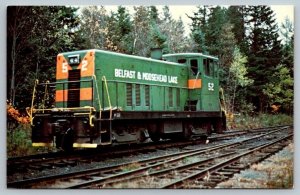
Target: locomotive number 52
x: 211, y: 86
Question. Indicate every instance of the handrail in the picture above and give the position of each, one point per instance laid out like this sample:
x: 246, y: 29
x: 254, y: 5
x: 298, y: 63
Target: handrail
x: 32, y: 101
x: 60, y: 109
x: 99, y: 102
x: 196, y: 79
x: 110, y: 108
x: 45, y: 94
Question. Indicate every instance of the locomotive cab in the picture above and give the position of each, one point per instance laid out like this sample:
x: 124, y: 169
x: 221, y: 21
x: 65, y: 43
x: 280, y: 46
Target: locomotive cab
x: 203, y: 90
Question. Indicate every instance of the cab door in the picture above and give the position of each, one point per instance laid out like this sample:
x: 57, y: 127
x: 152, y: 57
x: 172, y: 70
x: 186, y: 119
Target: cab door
x: 210, y: 85
x: 194, y: 85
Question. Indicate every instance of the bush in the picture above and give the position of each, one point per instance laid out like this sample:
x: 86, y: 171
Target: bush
x: 19, y: 141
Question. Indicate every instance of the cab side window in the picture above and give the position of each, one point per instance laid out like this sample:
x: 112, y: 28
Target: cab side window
x: 194, y: 66
x: 181, y: 61
x: 216, y: 68
x: 208, y: 65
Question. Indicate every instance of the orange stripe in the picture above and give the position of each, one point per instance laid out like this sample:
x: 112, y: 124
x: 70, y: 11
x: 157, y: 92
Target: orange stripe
x: 87, y: 64
x: 86, y: 94
x: 62, y: 67
x: 61, y: 95
x: 194, y: 83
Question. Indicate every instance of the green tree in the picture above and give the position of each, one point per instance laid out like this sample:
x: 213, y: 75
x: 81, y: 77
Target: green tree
x: 16, y: 39
x: 280, y: 90
x: 265, y: 52
x: 287, y: 32
x: 120, y: 31
x: 217, y: 19
x: 199, y: 29
x: 228, y: 43
x: 237, y: 16
x: 237, y: 77
x: 36, y: 34
x: 93, y: 27
x: 158, y: 38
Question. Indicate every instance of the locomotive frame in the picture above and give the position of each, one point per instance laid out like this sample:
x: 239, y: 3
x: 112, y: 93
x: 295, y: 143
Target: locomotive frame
x: 104, y: 98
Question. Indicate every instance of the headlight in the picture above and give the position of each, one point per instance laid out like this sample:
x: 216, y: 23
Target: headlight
x: 74, y: 59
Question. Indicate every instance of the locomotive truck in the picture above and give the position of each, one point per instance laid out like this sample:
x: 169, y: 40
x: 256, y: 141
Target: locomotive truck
x: 103, y: 98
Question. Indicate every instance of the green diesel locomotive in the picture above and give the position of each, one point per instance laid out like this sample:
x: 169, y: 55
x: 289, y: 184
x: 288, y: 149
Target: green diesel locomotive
x: 102, y: 98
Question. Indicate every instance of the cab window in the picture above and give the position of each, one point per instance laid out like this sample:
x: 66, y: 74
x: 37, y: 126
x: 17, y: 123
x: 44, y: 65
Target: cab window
x: 194, y: 66
x: 181, y: 61
x: 208, y: 65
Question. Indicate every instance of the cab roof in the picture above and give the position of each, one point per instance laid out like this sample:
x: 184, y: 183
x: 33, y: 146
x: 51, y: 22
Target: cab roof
x: 186, y: 55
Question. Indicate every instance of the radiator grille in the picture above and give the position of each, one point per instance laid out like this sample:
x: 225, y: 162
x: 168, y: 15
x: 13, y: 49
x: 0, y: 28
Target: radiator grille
x: 178, y: 97
x: 147, y: 95
x: 129, y: 94
x: 74, y: 88
x: 170, y: 97
x: 138, y: 94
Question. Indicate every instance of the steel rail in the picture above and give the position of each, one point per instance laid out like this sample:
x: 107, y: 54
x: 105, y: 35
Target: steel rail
x: 223, y: 164
x: 155, y: 160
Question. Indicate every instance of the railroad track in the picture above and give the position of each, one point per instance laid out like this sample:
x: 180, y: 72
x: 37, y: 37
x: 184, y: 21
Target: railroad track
x: 60, y: 159
x: 202, y: 168
x: 46, y: 161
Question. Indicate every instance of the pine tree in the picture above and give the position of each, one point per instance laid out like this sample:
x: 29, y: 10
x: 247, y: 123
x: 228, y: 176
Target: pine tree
x: 265, y: 52
x: 199, y: 29
x: 237, y: 16
x: 287, y: 31
x: 120, y: 31
x: 215, y: 23
x: 174, y: 32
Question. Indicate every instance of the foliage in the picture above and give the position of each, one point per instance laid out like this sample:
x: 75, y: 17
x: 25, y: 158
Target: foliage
x: 93, y: 26
x: 120, y: 31
x: 236, y: 78
x: 14, y: 116
x: 280, y: 89
x: 36, y: 34
x: 173, y: 30
x: 199, y: 28
x: 228, y: 44
x: 217, y: 19
x: 19, y: 142
x: 287, y: 31
x: 237, y: 16
x: 18, y: 132
x: 264, y: 54
x: 255, y: 32
x: 141, y: 29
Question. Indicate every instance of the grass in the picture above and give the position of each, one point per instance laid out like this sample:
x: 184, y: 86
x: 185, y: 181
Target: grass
x: 260, y: 120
